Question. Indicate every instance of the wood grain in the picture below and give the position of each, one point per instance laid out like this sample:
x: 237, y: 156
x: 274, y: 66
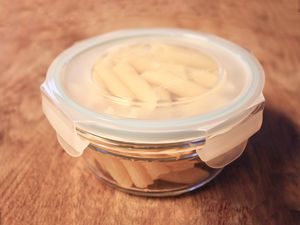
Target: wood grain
x: 40, y: 184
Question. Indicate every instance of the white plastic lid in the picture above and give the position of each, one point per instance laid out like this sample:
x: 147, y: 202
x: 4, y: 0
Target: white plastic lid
x: 151, y: 86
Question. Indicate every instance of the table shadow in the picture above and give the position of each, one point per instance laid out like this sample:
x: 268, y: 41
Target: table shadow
x: 265, y: 180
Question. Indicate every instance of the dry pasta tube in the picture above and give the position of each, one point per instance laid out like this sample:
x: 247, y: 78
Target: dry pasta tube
x: 142, y: 174
x: 142, y: 64
x: 141, y: 89
x: 146, y: 63
x: 183, y: 56
x: 105, y: 76
x: 189, y: 176
x: 178, y: 70
x: 205, y: 78
x: 155, y: 169
x: 138, y: 174
x: 180, y: 165
x: 163, y: 94
x: 99, y: 166
x: 116, y: 169
x: 176, y: 85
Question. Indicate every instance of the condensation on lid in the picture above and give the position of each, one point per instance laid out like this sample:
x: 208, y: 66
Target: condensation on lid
x: 156, y: 77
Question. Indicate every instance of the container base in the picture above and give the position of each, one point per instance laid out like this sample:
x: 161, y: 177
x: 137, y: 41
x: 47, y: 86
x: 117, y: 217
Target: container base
x: 159, y: 193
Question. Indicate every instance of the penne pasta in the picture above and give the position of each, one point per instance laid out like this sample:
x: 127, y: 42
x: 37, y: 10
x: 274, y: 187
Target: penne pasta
x: 105, y: 76
x: 180, y: 165
x: 141, y: 88
x: 143, y: 64
x: 163, y: 94
x: 205, y: 78
x: 178, y: 70
x: 115, y: 168
x: 178, y: 86
x: 183, y: 56
x: 138, y: 174
x: 189, y: 176
x: 155, y: 169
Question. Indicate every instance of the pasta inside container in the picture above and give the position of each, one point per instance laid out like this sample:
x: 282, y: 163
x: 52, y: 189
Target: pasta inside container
x: 157, y: 112
x: 147, y: 79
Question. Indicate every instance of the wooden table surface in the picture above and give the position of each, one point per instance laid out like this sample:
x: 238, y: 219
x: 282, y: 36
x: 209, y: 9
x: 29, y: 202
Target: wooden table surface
x: 40, y: 184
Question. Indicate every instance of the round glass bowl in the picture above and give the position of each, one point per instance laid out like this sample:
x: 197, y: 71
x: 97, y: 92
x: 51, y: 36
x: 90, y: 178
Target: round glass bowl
x: 157, y: 175
x: 155, y: 112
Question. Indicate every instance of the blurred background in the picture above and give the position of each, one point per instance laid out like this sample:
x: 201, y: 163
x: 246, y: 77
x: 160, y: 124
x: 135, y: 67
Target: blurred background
x: 40, y: 184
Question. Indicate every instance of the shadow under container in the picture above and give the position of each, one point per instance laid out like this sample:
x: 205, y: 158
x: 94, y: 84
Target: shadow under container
x: 162, y: 157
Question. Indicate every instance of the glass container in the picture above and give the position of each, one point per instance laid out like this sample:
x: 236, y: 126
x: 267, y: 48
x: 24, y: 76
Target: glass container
x: 154, y: 112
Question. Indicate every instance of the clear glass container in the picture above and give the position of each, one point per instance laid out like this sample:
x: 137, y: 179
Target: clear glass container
x: 155, y: 112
